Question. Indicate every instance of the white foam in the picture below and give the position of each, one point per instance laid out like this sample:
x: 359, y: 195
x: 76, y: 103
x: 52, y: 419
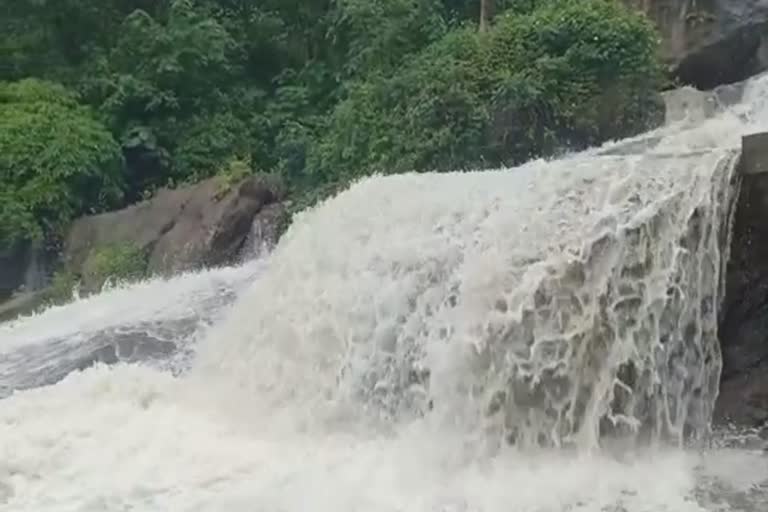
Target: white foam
x: 143, y: 302
x: 294, y: 403
x: 125, y: 438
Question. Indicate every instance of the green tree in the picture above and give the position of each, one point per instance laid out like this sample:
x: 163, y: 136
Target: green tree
x: 320, y: 91
x: 565, y: 75
x: 375, y: 35
x: 56, y: 160
x: 162, y: 81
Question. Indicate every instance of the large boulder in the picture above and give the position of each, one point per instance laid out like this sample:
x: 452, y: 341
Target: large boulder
x: 203, y: 225
x: 711, y: 42
x: 696, y: 106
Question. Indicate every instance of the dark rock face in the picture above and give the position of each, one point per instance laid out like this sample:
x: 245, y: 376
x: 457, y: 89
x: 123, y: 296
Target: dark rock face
x: 754, y: 159
x: 744, y: 322
x: 25, y: 270
x: 13, y: 263
x: 265, y: 230
x: 182, y: 229
x: 711, y: 42
x: 24, y: 265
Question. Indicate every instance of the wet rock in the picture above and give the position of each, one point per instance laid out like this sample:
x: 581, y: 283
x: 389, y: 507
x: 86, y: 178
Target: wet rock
x: 710, y: 42
x: 186, y: 228
x: 744, y: 397
x: 24, y: 265
x: 689, y: 103
x: 128, y: 348
x: 46, y: 364
x: 692, y: 105
x: 13, y: 261
x: 754, y: 154
x: 266, y: 228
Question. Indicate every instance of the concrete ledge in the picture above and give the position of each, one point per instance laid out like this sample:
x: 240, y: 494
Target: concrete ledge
x: 754, y: 154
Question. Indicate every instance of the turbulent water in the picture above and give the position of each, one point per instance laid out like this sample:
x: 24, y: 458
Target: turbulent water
x: 537, y: 339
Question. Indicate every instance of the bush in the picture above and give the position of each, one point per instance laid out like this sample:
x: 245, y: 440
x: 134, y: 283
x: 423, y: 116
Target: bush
x: 117, y: 262
x: 206, y: 144
x: 567, y: 74
x: 56, y: 160
x: 166, y: 90
x: 63, y: 287
x: 592, y: 75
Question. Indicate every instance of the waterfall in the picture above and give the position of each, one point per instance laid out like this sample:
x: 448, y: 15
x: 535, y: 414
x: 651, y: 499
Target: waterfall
x: 549, y: 304
x: 538, y: 339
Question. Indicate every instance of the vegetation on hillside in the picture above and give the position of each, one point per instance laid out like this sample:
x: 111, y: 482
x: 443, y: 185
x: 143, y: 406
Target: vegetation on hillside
x: 56, y: 160
x: 104, y: 101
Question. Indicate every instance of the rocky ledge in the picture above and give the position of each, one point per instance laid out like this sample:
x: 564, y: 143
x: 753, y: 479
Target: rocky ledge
x: 212, y: 223
x: 208, y: 224
x: 710, y: 42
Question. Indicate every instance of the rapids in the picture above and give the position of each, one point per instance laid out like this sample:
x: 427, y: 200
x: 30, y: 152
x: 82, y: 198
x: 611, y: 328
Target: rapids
x: 536, y: 339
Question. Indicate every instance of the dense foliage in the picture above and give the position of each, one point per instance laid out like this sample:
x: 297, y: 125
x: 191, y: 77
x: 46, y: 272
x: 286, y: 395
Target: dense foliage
x: 56, y: 160
x: 317, y: 91
x: 568, y: 74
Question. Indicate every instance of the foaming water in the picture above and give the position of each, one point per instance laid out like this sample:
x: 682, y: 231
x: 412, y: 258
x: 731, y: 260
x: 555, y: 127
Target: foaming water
x: 124, y: 438
x: 539, y: 339
x: 148, y: 452
x: 449, y: 302
x: 158, y: 319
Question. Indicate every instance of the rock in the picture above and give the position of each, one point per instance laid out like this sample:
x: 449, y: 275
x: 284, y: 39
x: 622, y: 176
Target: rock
x: 694, y: 106
x: 754, y: 154
x: 266, y: 228
x: 182, y: 229
x: 13, y: 262
x: 743, y: 329
x: 46, y: 364
x: 710, y: 42
x: 22, y: 303
x: 24, y: 265
x: 743, y: 399
x: 689, y: 104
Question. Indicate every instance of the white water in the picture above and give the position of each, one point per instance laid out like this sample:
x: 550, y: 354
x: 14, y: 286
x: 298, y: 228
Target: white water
x: 398, y: 334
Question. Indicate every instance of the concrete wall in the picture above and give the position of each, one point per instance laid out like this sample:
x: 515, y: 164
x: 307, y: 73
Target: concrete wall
x: 743, y: 327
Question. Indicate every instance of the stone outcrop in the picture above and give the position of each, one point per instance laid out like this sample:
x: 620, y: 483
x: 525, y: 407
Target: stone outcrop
x: 710, y: 42
x: 744, y: 322
x: 185, y: 228
x: 695, y: 106
x: 24, y: 268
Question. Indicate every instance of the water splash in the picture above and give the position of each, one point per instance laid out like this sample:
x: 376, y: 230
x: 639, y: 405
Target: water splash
x: 406, y: 347
x: 599, y: 307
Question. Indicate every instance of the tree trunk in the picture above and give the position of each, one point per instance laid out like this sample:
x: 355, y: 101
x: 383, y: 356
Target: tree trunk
x: 486, y: 13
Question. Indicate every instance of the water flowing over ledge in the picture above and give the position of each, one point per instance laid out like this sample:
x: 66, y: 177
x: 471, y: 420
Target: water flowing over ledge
x: 550, y: 304
x: 399, y: 339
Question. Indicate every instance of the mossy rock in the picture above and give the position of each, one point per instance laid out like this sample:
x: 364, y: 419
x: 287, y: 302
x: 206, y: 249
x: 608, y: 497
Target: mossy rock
x: 114, y: 263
